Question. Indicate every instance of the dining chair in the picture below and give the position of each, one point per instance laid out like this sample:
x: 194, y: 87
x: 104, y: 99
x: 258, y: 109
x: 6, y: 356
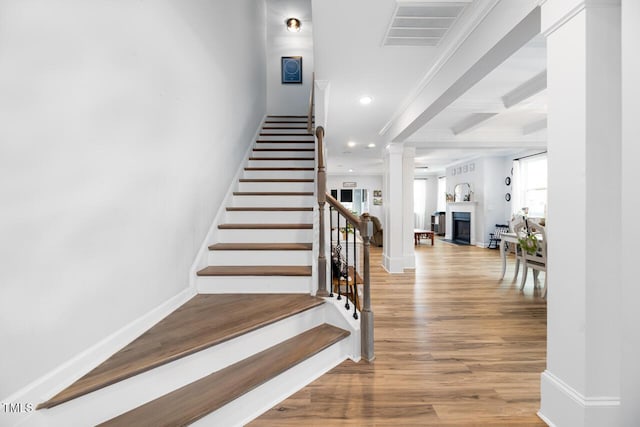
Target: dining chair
x: 537, y: 261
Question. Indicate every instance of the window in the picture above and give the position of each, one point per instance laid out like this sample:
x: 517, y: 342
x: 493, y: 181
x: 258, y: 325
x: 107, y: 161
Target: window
x: 442, y: 194
x: 530, y: 186
x: 419, y: 203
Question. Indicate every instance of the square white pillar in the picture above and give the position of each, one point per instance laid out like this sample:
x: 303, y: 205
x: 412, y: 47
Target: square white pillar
x: 581, y: 385
x: 408, y: 173
x: 393, y: 202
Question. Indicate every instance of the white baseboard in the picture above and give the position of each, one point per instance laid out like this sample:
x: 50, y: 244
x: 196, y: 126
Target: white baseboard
x: 393, y: 265
x: 201, y: 259
x: 61, y: 377
x: 561, y: 405
x: 111, y: 401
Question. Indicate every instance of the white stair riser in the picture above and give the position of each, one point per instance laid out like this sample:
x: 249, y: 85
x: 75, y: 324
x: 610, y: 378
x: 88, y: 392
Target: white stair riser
x: 139, y: 389
x: 269, y: 217
x: 265, y: 236
x: 279, y: 174
x: 260, y: 258
x: 264, y: 132
x: 285, y: 145
x: 253, y: 284
x: 273, y: 201
x: 276, y: 186
x: 277, y: 154
x: 281, y: 163
x: 262, y: 398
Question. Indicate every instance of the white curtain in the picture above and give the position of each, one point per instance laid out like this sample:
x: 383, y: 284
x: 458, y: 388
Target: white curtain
x: 517, y: 189
x: 419, y: 203
x: 442, y: 194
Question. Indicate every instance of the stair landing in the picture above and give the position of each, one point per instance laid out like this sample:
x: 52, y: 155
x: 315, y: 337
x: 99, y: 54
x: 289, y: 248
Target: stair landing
x: 202, y: 322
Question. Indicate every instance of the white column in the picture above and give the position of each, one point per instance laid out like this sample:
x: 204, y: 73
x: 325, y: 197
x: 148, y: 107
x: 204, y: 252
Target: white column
x: 581, y: 385
x: 393, y: 201
x: 408, y: 171
x: 630, y: 378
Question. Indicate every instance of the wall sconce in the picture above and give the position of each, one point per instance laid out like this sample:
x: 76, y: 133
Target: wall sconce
x: 293, y: 25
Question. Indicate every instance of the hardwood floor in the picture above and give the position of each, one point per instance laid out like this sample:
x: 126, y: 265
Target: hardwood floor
x: 454, y: 347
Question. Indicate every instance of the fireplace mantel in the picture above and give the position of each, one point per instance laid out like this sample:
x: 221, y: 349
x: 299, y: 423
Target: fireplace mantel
x: 460, y: 207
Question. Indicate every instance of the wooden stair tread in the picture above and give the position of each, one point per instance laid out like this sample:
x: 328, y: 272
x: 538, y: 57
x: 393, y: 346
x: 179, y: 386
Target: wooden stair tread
x: 274, y: 180
x: 256, y: 270
x: 261, y: 247
x: 273, y: 193
x: 202, y: 322
x: 302, y: 122
x: 278, y: 169
x: 282, y: 158
x: 267, y: 209
x: 285, y: 134
x: 286, y: 127
x: 193, y: 401
x: 257, y: 226
x: 289, y: 117
x: 283, y: 149
x: 288, y: 141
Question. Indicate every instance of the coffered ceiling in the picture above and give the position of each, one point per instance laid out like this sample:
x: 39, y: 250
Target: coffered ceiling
x: 503, y: 113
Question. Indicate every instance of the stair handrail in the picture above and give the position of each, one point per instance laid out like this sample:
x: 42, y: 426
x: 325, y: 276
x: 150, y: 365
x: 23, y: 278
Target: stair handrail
x: 364, y: 226
x: 312, y: 96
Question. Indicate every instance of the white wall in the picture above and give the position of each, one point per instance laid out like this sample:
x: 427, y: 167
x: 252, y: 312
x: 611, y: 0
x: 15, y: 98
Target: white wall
x: 285, y: 99
x: 486, y: 176
x: 630, y: 369
x: 368, y: 182
x: 122, y: 125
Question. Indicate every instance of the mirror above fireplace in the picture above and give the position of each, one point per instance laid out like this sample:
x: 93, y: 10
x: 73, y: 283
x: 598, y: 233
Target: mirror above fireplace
x: 462, y: 192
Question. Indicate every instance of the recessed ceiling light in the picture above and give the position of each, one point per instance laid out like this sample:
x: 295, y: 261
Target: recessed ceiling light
x: 371, y: 145
x: 366, y: 100
x: 350, y: 170
x: 351, y: 143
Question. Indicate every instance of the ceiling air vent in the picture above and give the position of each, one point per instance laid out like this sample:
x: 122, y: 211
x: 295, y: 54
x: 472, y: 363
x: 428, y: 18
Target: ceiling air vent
x: 422, y: 24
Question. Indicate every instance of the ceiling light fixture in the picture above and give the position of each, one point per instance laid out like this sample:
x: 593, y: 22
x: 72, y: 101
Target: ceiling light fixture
x: 351, y: 143
x: 371, y: 145
x: 293, y: 25
x: 366, y: 100
x: 350, y: 170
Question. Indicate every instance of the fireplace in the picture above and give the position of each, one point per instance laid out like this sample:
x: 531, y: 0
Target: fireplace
x: 461, y: 232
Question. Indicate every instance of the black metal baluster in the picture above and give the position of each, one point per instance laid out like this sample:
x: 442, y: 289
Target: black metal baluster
x: 331, y: 246
x: 355, y: 276
x: 339, y: 254
x: 346, y: 256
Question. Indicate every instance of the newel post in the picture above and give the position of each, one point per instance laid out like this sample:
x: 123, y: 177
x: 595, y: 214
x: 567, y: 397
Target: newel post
x: 366, y: 322
x: 322, y: 200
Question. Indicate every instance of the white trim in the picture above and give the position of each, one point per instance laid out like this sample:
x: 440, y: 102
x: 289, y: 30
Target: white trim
x: 562, y: 405
x: 571, y: 13
x: 201, y: 259
x: 56, y: 380
x: 393, y: 265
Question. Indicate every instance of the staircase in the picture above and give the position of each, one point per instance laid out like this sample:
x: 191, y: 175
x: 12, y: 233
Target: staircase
x: 252, y: 335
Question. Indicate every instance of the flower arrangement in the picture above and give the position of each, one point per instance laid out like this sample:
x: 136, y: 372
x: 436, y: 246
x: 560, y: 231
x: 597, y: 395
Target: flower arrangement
x: 529, y: 243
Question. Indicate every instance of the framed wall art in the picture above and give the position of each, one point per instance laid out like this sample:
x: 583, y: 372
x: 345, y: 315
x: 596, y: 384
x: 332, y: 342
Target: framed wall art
x: 291, y: 69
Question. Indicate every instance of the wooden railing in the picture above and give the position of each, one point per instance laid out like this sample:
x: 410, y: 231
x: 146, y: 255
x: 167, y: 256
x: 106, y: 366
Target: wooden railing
x: 341, y: 270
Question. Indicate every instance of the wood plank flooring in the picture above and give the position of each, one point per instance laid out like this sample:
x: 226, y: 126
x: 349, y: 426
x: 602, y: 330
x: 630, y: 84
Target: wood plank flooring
x: 454, y: 347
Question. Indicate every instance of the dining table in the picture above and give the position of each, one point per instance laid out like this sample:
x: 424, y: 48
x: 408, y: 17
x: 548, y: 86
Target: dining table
x: 509, y: 239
